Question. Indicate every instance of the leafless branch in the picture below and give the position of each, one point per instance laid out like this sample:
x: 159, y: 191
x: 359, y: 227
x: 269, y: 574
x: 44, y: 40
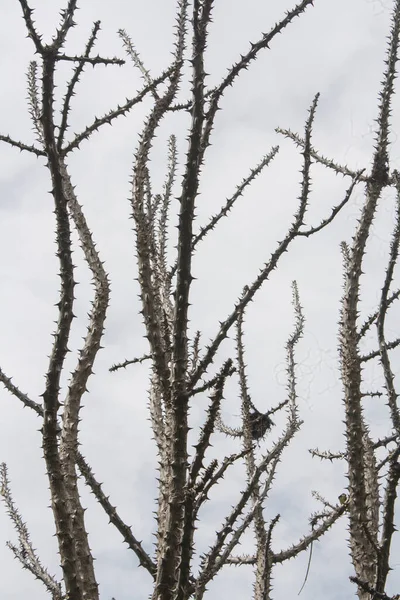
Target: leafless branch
x: 132, y: 361
x: 324, y: 454
x: 72, y: 84
x: 32, y: 33
x: 113, y: 114
x: 380, y: 324
x: 339, y: 169
x: 372, y: 318
x: 137, y: 61
x: 90, y: 480
x: 377, y: 353
x: 251, y: 290
x: 22, y: 146
x: 25, y: 553
x: 91, y: 60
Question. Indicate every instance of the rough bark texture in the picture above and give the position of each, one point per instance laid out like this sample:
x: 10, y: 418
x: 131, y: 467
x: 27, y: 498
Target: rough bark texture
x: 182, y: 367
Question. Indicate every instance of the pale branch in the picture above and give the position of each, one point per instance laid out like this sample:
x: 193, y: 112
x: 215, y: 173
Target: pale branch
x: 258, y: 495
x: 345, y: 251
x: 326, y: 504
x: 263, y: 575
x: 244, y: 559
x: 377, y: 353
x: 161, y: 430
x: 68, y: 445
x: 210, y: 562
x: 21, y: 145
x: 28, y: 562
x: 290, y: 348
x: 339, y: 169
x: 254, y: 428
x: 157, y: 416
x: 372, y: 492
x: 156, y: 230
x: 153, y: 205
x: 229, y: 431
x: 307, y: 570
x: 137, y: 61
x: 372, y: 318
x: 275, y: 462
x: 168, y: 544
x: 362, y: 471
x: 218, y: 554
x: 265, y: 272
x: 91, y: 60
x: 127, y: 362
x: 154, y: 321
x: 162, y: 237
x: 162, y: 303
x: 208, y: 472
x: 291, y: 400
x: 72, y: 84
x: 236, y: 536
x: 25, y: 553
x: 218, y: 560
x: 335, y: 210
x: 92, y: 341
x: 149, y: 293
x: 388, y: 374
x: 113, y: 114
x: 33, y: 101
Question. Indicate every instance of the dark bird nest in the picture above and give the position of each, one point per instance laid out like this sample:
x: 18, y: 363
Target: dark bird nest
x: 260, y: 423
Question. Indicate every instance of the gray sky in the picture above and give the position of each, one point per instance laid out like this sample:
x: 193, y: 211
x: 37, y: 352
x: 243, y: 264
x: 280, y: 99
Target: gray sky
x: 337, y: 49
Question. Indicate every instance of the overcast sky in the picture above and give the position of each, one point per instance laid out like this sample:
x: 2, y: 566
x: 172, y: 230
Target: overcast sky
x: 336, y: 48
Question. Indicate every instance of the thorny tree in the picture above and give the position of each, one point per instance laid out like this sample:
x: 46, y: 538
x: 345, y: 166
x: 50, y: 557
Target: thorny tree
x: 182, y: 368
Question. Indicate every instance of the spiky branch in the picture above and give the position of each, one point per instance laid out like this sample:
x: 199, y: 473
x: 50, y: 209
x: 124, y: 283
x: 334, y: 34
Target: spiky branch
x: 181, y: 366
x: 369, y: 553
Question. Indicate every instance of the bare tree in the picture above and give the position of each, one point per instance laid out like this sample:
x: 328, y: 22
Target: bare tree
x: 182, y: 366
